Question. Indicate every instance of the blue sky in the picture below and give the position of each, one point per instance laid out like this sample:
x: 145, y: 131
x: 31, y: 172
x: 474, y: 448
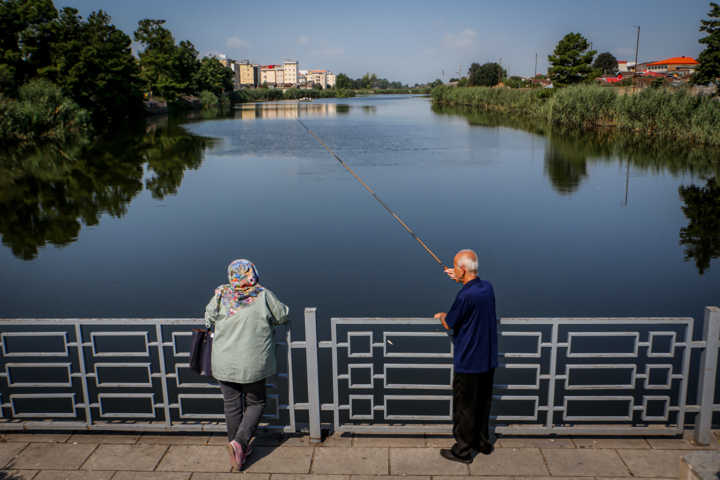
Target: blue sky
x: 413, y: 42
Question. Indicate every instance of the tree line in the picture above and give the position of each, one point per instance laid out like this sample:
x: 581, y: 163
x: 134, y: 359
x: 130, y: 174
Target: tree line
x: 55, y: 61
x: 366, y: 82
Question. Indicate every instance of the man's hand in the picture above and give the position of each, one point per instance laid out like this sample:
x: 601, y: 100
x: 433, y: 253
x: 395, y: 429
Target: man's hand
x: 450, y: 274
x: 441, y: 316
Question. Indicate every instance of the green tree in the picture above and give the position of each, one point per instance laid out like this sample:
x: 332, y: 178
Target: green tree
x: 93, y: 63
x: 488, y: 75
x: 25, y: 36
x: 463, y: 82
x: 214, y: 77
x: 708, y: 71
x: 342, y: 82
x: 606, y: 63
x: 471, y: 72
x: 701, y: 238
x: 368, y: 79
x: 436, y: 83
x: 317, y: 86
x: 571, y: 61
x: 158, y: 59
x: 187, y: 66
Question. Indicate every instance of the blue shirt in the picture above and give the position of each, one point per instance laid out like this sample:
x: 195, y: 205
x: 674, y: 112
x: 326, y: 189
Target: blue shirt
x: 472, y: 317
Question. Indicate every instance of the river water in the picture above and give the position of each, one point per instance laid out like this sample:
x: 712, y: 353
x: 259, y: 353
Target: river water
x: 144, y: 223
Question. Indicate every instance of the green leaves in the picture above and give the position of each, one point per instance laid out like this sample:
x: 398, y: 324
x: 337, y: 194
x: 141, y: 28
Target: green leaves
x: 606, y: 63
x: 571, y: 61
x: 708, y: 71
x: 214, y: 77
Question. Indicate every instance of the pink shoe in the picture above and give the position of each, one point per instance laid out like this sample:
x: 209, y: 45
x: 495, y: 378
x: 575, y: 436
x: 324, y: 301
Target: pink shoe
x: 247, y: 452
x: 237, y: 456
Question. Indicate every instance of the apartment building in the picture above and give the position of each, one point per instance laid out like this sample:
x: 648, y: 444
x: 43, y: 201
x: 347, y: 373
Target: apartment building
x: 272, y: 74
x: 330, y: 79
x: 291, y: 71
x: 247, y: 73
x: 317, y: 77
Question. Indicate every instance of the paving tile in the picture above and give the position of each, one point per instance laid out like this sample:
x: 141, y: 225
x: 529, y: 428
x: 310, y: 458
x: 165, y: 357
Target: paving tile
x: 610, y: 441
x: 545, y: 478
x: 441, y: 477
x: 423, y: 461
x: 294, y: 476
x: 388, y: 477
x: 173, y: 439
x: 98, y: 438
x: 152, y: 476
x: 37, y: 436
x: 670, y: 442
x: 389, y: 440
x: 72, y: 475
x: 350, y: 461
x: 536, y: 441
x: 125, y: 457
x: 278, y: 460
x: 267, y: 439
x: 8, y: 451
x: 511, y: 461
x: 585, y: 462
x: 195, y: 458
x: 653, y: 463
x: 53, y: 456
x: 17, y: 474
x: 296, y: 441
x: 338, y: 439
x: 439, y: 441
x: 230, y: 476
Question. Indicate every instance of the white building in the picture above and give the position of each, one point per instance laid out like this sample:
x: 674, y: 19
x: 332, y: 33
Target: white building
x: 291, y: 71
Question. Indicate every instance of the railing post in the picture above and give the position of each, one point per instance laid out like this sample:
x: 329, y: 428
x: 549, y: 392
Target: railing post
x: 708, y: 371
x: 311, y: 352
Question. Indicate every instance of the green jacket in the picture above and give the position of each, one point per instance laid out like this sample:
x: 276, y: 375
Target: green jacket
x: 243, y: 349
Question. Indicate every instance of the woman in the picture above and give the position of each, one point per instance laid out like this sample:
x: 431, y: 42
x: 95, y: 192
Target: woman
x: 243, y: 351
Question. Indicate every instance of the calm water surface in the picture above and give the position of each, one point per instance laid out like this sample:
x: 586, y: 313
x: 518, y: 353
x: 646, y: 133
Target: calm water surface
x: 144, y: 224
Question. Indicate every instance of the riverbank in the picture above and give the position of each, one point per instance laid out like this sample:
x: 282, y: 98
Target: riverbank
x: 655, y: 112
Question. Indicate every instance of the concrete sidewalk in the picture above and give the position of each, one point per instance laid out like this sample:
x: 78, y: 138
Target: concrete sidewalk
x: 101, y: 456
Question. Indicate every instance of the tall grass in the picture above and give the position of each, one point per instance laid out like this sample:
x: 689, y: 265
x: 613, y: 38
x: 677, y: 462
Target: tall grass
x: 656, y: 112
x: 40, y: 112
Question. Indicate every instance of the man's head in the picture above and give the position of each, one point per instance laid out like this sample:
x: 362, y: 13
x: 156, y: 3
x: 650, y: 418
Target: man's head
x: 465, y: 266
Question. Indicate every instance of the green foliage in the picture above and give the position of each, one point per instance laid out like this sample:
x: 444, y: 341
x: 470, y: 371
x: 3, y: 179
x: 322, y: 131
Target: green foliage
x: 463, y: 82
x: 367, y: 80
x: 701, y: 238
x: 93, y: 63
x: 159, y: 60
x: 571, y: 61
x: 41, y: 112
x: 708, y: 72
x: 488, y: 74
x: 214, y: 77
x: 659, y: 113
x: 606, y: 63
x: 317, y: 86
x: 208, y: 99
x: 436, y: 83
x: 345, y: 93
x: 657, y: 83
x: 342, y: 82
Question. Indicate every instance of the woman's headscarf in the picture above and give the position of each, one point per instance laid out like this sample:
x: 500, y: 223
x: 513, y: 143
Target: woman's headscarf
x: 243, y: 288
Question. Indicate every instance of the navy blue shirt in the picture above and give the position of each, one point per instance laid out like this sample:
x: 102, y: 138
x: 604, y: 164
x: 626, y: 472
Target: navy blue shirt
x: 472, y: 317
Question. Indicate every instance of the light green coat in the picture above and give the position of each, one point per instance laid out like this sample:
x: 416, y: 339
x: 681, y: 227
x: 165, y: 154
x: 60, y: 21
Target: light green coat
x: 243, y: 349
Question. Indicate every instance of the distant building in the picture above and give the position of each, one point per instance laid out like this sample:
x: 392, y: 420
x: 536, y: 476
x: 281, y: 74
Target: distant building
x: 330, y: 79
x: 318, y: 77
x: 682, y: 65
x: 291, y: 71
x: 272, y: 74
x: 247, y: 74
x: 625, y: 66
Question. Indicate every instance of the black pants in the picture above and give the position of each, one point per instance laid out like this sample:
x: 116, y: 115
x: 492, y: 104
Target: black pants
x: 241, y: 427
x: 472, y: 396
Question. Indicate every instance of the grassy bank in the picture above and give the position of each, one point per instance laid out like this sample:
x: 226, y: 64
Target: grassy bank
x: 657, y: 112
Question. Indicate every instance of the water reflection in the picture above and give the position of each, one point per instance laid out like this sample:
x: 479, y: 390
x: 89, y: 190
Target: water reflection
x: 48, y: 192
x: 249, y: 111
x: 701, y: 238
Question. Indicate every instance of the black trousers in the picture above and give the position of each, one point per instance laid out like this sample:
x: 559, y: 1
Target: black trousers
x: 472, y: 397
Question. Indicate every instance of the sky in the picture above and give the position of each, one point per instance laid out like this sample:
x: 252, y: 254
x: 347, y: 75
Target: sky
x: 415, y: 41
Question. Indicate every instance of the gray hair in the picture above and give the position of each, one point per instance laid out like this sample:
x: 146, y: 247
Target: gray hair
x: 470, y: 262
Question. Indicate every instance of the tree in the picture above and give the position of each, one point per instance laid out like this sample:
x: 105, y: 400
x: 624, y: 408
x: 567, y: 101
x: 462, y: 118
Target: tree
x: 342, y: 82
x: 606, y: 63
x: 487, y: 75
x: 463, y: 82
x: 187, y: 65
x: 158, y: 59
x: 436, y: 83
x: 571, y: 61
x: 317, y: 86
x: 368, y: 79
x: 708, y: 71
x: 24, y: 40
x: 214, y: 77
x: 93, y: 63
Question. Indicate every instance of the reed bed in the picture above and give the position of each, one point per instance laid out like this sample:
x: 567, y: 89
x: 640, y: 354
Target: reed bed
x: 656, y: 112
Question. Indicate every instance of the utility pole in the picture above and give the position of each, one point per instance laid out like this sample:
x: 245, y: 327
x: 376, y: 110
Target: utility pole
x: 500, y: 70
x: 536, y: 64
x: 591, y: 46
x: 636, y: 53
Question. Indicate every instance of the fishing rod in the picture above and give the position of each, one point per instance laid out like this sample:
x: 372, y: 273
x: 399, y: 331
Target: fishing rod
x: 369, y: 190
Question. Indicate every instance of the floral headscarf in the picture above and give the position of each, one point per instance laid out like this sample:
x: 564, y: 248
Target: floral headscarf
x: 243, y: 288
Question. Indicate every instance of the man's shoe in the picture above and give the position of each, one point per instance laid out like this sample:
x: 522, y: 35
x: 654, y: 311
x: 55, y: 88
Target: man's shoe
x: 485, y: 449
x: 237, y: 457
x: 248, y: 451
x: 448, y: 453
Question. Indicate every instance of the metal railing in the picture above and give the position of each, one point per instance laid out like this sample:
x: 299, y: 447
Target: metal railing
x: 558, y: 375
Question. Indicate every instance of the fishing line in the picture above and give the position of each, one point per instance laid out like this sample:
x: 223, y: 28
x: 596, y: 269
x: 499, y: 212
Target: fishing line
x: 368, y: 189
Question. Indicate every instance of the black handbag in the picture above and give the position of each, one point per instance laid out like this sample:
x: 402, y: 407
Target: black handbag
x: 201, y: 352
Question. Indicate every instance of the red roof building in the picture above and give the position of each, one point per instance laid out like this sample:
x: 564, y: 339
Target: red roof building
x: 681, y: 65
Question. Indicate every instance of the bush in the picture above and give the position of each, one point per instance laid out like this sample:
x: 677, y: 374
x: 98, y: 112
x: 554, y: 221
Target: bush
x: 41, y: 111
x: 208, y: 99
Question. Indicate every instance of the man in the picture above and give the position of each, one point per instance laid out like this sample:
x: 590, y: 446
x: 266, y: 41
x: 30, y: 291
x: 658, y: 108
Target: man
x: 472, y: 317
